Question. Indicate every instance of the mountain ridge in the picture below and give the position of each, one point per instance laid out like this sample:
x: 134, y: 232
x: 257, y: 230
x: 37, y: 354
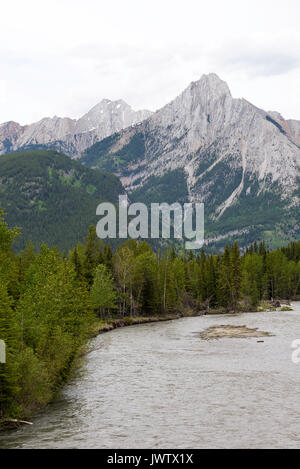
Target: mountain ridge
x: 72, y: 136
x: 233, y: 155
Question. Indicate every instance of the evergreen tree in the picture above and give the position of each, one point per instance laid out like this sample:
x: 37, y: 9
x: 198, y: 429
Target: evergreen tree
x: 93, y: 255
x: 252, y: 279
x: 235, y: 280
x: 224, y: 280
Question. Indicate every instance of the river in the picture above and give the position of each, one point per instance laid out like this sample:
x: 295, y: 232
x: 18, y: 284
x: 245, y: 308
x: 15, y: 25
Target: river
x: 161, y: 386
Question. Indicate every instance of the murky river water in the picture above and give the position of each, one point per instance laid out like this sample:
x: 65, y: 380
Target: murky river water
x: 161, y: 386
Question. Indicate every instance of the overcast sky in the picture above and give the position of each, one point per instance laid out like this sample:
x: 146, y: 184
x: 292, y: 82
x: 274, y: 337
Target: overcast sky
x: 61, y: 57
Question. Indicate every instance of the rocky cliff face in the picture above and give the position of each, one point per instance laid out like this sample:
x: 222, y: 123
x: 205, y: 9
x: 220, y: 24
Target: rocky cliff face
x: 70, y: 135
x: 9, y: 134
x: 243, y: 162
x: 291, y: 127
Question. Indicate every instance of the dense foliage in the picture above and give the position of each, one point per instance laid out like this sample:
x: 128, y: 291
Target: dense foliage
x: 100, y: 155
x: 49, y: 301
x: 170, y: 187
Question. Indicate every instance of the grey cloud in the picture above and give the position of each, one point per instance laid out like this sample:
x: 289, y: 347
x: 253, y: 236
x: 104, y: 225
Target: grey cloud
x: 263, y: 64
x: 260, y: 56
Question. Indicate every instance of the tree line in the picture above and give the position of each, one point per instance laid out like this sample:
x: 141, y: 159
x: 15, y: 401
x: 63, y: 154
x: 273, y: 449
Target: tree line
x: 50, y: 300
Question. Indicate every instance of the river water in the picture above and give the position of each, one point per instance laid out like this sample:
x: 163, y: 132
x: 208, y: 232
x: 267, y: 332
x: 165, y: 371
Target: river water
x: 161, y: 386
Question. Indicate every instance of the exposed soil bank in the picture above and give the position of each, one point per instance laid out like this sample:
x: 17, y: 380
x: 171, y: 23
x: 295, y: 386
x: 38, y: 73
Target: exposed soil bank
x: 105, y: 326
x: 233, y: 332
x: 273, y: 305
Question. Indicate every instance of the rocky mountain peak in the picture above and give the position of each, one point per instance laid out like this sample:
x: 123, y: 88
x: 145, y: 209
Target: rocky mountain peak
x: 108, y: 117
x: 210, y: 86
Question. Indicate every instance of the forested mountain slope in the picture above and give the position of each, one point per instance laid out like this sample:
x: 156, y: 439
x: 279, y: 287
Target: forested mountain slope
x: 52, y: 198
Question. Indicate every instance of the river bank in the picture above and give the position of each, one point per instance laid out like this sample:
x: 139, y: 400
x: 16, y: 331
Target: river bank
x: 104, y: 326
x: 101, y: 327
x: 136, y: 383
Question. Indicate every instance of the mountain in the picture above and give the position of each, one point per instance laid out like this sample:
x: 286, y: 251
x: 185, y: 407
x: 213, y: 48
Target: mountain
x: 51, y: 197
x: 206, y: 146
x: 70, y: 135
x: 290, y: 127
